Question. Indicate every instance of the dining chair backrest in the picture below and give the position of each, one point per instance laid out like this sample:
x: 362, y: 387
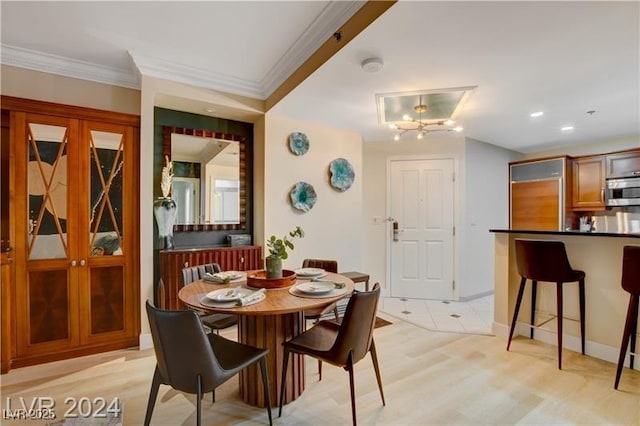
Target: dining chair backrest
x: 356, y: 328
x: 209, y: 268
x: 182, y: 350
x: 327, y: 265
x: 195, y: 273
x: 631, y: 269
x: 543, y: 260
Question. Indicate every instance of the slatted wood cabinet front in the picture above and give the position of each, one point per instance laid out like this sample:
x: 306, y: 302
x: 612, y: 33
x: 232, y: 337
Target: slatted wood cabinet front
x: 242, y: 258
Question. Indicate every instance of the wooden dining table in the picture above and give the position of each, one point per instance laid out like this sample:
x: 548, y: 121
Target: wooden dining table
x: 267, y: 324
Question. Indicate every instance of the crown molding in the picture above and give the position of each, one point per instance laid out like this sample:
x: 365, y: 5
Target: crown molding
x: 160, y: 68
x: 332, y: 17
x: 54, y: 64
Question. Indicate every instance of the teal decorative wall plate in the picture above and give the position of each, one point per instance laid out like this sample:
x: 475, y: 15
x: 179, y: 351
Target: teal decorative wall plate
x: 303, y: 196
x: 342, y: 174
x: 298, y: 143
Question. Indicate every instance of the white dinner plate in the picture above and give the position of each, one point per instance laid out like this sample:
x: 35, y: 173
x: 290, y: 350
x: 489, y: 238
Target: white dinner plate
x: 315, y: 287
x: 228, y: 294
x: 310, y: 272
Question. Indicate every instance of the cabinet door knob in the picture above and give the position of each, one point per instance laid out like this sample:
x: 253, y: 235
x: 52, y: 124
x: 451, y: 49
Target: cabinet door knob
x: 242, y: 260
x: 82, y: 262
x: 74, y: 263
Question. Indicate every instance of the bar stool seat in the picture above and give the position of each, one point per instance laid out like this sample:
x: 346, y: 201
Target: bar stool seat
x: 542, y: 260
x: 631, y: 284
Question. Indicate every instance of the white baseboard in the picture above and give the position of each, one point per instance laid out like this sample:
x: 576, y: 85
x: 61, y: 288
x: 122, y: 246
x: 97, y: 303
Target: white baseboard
x: 145, y: 341
x: 593, y: 349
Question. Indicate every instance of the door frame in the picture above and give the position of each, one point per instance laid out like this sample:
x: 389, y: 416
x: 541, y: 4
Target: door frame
x: 456, y: 213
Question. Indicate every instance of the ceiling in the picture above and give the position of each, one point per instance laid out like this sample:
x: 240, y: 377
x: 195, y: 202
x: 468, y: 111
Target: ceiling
x: 563, y: 58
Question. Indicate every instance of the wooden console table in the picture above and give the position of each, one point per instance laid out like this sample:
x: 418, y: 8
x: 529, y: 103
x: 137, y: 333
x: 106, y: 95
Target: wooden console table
x: 241, y: 258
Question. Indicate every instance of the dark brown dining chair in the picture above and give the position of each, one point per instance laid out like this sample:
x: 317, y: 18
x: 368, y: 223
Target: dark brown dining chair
x: 214, y: 322
x: 630, y: 284
x: 547, y: 261
x: 343, y: 344
x: 191, y: 361
x: 316, y: 314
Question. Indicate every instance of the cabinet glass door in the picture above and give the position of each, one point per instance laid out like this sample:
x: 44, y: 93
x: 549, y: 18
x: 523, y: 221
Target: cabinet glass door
x: 104, y: 287
x: 46, y: 309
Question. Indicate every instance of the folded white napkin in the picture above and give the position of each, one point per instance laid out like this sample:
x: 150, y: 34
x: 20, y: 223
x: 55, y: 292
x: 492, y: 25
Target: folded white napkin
x: 253, y: 297
x: 336, y: 284
x: 219, y: 277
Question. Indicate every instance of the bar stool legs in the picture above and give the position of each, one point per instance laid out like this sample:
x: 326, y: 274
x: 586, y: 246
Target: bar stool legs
x: 559, y: 307
x: 629, y: 334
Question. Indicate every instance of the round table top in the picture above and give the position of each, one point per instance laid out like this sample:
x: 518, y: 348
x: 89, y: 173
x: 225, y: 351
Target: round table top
x: 278, y: 301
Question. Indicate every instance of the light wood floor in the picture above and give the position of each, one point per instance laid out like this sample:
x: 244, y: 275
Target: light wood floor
x: 429, y: 378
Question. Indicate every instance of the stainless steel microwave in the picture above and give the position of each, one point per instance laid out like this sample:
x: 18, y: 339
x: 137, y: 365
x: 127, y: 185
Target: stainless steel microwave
x: 623, y: 191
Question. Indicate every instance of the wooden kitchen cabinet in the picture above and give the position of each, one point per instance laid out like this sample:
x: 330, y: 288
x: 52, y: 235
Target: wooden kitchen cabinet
x: 589, y: 183
x: 623, y: 164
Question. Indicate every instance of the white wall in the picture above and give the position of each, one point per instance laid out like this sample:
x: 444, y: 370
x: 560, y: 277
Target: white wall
x: 481, y: 203
x: 487, y: 207
x: 375, y: 155
x: 333, y: 227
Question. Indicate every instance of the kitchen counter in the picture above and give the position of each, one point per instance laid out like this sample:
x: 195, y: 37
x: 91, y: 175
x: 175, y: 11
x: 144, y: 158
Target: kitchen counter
x: 573, y: 232
x: 606, y: 303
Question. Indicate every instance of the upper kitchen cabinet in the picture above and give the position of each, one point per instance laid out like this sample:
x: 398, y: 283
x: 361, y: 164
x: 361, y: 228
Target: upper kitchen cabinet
x: 624, y: 164
x: 589, y: 183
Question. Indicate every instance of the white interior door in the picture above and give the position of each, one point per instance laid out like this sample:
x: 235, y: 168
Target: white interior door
x: 421, y: 197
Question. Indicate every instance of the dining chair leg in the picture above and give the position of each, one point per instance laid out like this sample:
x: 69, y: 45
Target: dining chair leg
x: 534, y: 291
x: 199, y: 400
x: 634, y: 330
x: 376, y: 367
x: 632, y: 316
x: 285, y: 361
x: 213, y: 395
x: 319, y: 370
x: 523, y: 282
x: 560, y: 321
x: 349, y: 368
x: 153, y: 395
x: 265, y: 385
x: 582, y: 313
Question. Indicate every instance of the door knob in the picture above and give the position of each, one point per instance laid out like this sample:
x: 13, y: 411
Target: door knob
x: 82, y: 262
x: 74, y: 263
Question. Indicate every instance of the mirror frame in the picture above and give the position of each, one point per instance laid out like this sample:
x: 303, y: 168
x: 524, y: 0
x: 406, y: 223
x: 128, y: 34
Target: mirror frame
x: 167, y: 131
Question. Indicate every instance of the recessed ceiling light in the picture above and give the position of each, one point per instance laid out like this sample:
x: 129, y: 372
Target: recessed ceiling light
x: 458, y: 129
x: 566, y: 128
x: 537, y: 114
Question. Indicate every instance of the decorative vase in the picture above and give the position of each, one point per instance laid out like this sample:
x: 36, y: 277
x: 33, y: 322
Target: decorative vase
x: 165, y: 211
x: 274, y: 267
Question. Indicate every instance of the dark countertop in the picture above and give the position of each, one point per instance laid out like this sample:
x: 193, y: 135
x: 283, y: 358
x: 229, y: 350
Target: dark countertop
x: 571, y: 232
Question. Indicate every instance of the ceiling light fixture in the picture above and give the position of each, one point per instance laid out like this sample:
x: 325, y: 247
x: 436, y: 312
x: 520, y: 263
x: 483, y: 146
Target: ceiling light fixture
x: 537, y: 114
x: 372, y: 64
x: 566, y: 128
x: 410, y: 124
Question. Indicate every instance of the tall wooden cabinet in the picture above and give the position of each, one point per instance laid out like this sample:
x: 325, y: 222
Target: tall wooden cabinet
x: 75, y: 210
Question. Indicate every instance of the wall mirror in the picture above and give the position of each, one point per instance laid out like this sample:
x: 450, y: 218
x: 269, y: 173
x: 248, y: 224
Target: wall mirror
x: 209, y: 183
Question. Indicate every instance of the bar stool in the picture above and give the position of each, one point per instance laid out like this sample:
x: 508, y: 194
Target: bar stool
x: 631, y: 284
x: 541, y: 260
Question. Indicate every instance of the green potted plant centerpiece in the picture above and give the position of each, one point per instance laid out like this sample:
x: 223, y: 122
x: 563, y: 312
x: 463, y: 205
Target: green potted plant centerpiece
x: 278, y: 251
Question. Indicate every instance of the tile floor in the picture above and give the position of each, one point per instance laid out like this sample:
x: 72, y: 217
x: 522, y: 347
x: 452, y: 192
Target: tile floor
x: 472, y: 317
